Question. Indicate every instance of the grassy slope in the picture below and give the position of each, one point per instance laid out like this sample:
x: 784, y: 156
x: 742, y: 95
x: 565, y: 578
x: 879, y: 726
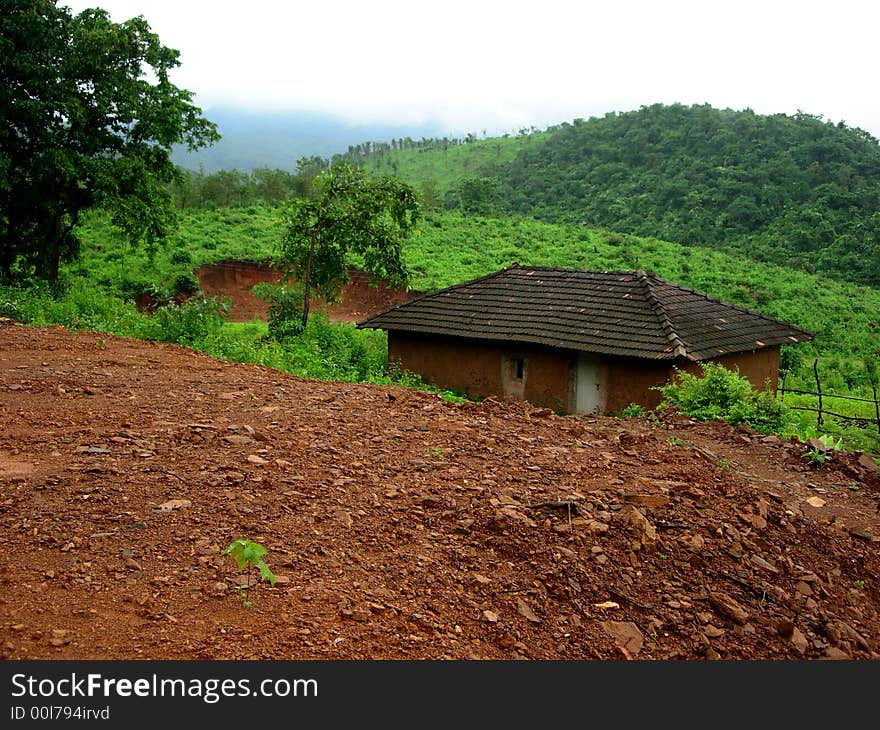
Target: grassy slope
x: 446, y: 167
x: 452, y: 248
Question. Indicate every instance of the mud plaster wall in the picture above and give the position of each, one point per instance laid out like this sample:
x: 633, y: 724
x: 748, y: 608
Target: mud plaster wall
x: 626, y: 380
x: 759, y: 366
x: 482, y: 369
x: 234, y: 279
x: 623, y: 380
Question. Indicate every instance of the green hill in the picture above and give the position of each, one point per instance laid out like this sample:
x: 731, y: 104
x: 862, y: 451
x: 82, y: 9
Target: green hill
x: 793, y: 190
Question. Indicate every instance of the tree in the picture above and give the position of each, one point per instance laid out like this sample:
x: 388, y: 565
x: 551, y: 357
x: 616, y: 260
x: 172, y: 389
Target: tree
x: 88, y: 116
x: 349, y: 213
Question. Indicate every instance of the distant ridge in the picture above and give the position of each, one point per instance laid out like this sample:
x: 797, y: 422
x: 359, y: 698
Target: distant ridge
x: 277, y: 139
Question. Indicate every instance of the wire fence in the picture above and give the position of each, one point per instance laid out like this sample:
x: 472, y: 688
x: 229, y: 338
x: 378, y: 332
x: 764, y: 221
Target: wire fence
x: 821, y: 410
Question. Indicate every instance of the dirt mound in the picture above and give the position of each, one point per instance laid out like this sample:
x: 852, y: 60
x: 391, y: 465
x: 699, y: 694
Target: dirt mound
x: 402, y: 526
x: 234, y: 279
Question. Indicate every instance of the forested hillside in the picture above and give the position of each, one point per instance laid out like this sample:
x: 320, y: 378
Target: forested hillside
x: 787, y: 189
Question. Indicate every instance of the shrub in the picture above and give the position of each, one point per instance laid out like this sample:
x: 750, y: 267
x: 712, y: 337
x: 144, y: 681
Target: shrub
x: 725, y: 394
x: 285, y: 308
x: 187, y: 323
x: 633, y: 410
x: 184, y: 284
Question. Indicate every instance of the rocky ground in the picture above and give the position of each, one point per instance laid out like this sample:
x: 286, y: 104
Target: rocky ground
x: 402, y: 526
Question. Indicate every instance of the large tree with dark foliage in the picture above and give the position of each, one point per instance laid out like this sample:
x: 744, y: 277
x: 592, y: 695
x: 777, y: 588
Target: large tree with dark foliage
x: 88, y: 116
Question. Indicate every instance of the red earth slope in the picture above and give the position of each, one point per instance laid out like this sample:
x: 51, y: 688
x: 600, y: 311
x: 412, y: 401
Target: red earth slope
x: 402, y: 526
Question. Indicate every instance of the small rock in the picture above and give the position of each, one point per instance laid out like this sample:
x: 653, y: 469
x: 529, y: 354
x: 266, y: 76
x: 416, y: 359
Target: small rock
x: 523, y: 609
x: 832, y: 652
x: 133, y: 564
x: 172, y: 504
x: 799, y: 641
x: 490, y: 616
x: 866, y: 462
x: 861, y: 533
x: 647, y: 500
x: 607, y: 604
x: 219, y: 587
x: 759, y: 562
x: 713, y: 632
x: 643, y: 526
x: 92, y: 450
x: 803, y: 588
x: 626, y: 636
x: 258, y: 460
x: 597, y: 528
x: 728, y: 607
x: 236, y: 439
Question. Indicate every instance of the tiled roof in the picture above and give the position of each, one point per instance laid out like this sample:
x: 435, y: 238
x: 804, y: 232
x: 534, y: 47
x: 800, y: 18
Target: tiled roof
x: 627, y: 313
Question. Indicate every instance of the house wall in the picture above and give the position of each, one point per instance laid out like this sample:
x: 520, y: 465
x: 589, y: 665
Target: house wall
x: 481, y: 369
x: 758, y: 366
x: 624, y: 380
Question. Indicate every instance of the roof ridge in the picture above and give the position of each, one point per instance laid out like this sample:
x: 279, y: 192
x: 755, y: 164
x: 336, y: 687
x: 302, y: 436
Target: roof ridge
x: 430, y: 294
x: 739, y: 307
x: 679, y: 349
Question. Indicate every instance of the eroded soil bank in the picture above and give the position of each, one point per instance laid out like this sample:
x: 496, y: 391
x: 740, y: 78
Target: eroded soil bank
x: 234, y: 279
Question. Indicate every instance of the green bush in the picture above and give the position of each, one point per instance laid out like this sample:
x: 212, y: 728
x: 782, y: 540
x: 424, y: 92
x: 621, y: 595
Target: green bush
x: 285, y: 308
x: 184, y: 284
x: 725, y: 394
x: 633, y: 410
x: 187, y: 323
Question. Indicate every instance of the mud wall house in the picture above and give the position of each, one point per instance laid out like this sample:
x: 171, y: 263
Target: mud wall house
x: 576, y: 341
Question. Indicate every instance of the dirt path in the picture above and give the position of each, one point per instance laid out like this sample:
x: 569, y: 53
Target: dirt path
x: 402, y: 526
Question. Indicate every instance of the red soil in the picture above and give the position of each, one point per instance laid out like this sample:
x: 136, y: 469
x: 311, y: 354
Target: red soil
x: 402, y: 526
x: 234, y: 279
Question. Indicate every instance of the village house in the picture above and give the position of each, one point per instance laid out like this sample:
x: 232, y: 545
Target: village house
x: 577, y: 341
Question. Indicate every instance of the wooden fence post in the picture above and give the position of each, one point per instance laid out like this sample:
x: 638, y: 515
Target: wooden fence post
x: 876, y: 405
x: 818, y: 392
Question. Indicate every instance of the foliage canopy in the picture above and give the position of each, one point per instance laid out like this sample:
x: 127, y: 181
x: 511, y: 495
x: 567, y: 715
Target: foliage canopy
x: 349, y: 213
x: 88, y: 117
x: 792, y: 190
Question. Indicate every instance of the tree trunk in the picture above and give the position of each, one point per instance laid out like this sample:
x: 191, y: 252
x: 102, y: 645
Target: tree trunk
x: 54, y: 262
x: 307, y: 276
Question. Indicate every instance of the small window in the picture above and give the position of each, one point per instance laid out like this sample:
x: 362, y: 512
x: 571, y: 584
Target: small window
x: 518, y: 367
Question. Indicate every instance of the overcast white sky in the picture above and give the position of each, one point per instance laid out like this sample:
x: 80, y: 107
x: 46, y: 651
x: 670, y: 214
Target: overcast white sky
x: 475, y: 65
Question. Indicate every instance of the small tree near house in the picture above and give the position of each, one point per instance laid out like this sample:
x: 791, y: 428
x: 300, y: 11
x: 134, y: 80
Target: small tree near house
x: 349, y: 213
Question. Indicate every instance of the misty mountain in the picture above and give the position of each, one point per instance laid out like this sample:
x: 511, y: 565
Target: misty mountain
x: 278, y: 139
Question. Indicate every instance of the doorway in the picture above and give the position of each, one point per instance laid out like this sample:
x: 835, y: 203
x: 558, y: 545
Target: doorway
x: 587, y: 387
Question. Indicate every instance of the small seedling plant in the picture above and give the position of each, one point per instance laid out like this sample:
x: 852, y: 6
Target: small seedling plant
x: 248, y: 555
